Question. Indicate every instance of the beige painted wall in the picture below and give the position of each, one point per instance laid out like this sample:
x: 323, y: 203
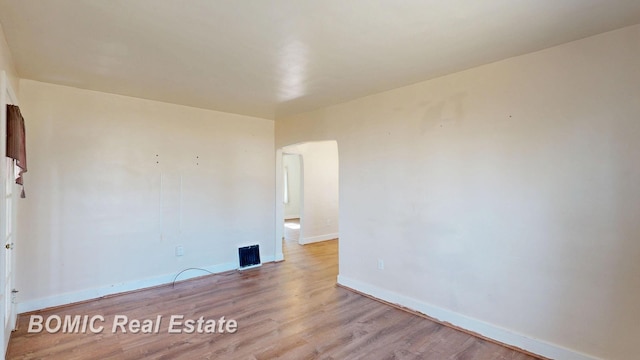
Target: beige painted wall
x: 506, y: 194
x: 116, y: 183
x: 6, y: 61
x: 319, y: 206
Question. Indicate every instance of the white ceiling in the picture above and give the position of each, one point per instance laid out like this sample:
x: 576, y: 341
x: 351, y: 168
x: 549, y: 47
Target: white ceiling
x: 279, y: 57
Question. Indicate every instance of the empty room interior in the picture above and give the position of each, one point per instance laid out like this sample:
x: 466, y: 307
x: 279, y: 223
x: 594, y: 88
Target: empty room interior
x: 302, y: 179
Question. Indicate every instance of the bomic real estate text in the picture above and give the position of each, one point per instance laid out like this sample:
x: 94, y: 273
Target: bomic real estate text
x: 82, y: 324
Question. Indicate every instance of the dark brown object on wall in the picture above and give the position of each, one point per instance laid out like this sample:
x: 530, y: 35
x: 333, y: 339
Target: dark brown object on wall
x: 16, y: 142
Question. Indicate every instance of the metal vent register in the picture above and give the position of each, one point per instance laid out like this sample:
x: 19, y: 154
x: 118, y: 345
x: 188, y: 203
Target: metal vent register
x: 249, y: 256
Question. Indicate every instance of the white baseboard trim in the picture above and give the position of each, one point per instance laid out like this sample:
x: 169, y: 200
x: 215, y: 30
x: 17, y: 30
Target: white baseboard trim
x: 313, y: 239
x: 488, y: 330
x: 94, y: 293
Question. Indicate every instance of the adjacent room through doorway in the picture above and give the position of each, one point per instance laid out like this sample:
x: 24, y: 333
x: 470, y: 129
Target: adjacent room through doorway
x: 309, y: 192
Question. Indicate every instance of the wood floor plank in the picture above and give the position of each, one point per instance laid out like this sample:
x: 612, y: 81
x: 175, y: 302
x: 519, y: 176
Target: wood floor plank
x: 286, y: 310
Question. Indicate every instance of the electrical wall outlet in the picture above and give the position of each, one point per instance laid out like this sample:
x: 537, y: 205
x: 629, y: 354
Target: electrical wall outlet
x: 179, y: 250
x: 380, y: 264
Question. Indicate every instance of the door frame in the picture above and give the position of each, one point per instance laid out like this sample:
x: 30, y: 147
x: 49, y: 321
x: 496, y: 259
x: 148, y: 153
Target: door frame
x: 7, y: 96
x: 279, y: 216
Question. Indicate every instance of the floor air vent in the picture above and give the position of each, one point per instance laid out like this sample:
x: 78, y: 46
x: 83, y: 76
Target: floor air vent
x: 249, y: 256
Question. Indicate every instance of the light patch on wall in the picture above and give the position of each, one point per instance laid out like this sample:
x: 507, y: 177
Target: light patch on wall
x: 286, y: 185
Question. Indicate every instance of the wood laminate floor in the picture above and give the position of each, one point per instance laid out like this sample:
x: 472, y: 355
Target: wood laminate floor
x: 292, y: 230
x: 287, y: 310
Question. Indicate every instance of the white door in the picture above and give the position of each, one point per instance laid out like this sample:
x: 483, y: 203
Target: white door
x: 7, y: 219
